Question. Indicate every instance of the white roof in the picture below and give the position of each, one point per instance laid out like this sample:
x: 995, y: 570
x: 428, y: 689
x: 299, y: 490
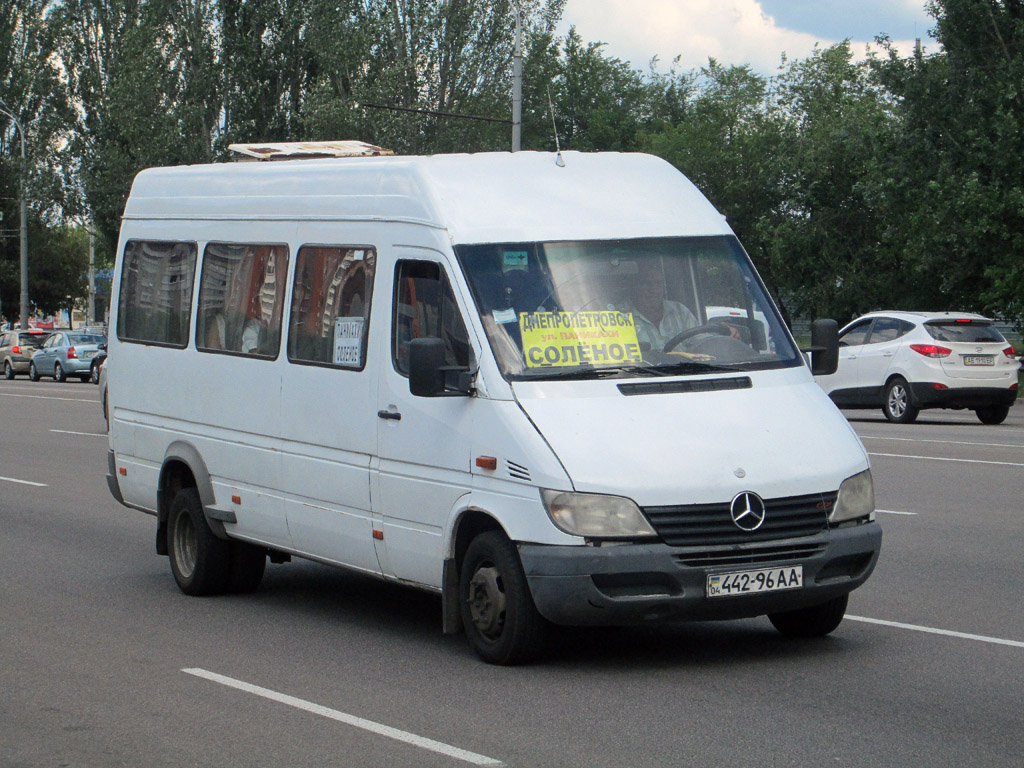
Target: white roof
x: 922, y: 317
x: 493, y: 197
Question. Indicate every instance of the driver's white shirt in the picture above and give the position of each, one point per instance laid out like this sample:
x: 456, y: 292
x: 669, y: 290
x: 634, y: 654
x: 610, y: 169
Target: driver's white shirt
x: 675, y: 318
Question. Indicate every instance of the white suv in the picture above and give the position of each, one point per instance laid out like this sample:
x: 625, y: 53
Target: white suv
x: 906, y: 361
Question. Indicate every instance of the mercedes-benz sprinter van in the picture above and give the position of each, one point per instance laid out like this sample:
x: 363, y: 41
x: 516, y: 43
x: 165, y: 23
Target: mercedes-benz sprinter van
x: 502, y: 377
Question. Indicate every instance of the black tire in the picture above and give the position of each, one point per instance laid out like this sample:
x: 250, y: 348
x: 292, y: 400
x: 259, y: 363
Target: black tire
x: 94, y: 374
x: 246, y: 569
x: 8, y: 370
x: 897, y: 406
x: 816, y: 621
x: 200, y: 561
x: 33, y: 374
x: 498, y: 613
x: 58, y: 373
x: 992, y: 414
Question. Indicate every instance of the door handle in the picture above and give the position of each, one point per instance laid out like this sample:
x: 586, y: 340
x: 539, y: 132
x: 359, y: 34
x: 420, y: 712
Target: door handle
x: 393, y: 415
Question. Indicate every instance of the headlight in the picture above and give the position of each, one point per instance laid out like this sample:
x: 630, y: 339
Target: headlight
x: 856, y: 498
x: 595, y: 515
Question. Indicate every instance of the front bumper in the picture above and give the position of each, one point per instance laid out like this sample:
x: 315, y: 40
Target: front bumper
x: 925, y: 395
x: 638, y: 583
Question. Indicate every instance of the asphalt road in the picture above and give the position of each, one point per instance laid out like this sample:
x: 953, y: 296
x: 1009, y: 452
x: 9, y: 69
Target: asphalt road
x: 103, y: 662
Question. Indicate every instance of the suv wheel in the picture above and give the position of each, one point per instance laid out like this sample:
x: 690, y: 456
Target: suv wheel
x: 896, y: 406
x: 993, y: 414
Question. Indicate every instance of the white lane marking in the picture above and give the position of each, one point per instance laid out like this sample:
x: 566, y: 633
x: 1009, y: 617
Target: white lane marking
x: 87, y: 434
x: 894, y: 512
x: 933, y: 631
x: 342, y: 717
x: 942, y: 442
x: 23, y: 482
x: 938, y: 458
x: 47, y: 397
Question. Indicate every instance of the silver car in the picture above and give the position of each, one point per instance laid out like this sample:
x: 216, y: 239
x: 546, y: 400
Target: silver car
x: 64, y: 354
x: 16, y: 348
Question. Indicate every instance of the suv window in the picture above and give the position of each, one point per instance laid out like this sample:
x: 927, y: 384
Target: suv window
x: 971, y: 331
x: 888, y: 329
x: 856, y: 335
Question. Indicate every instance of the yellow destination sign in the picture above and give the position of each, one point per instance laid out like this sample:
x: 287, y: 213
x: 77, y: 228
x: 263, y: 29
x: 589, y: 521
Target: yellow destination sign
x: 560, y: 339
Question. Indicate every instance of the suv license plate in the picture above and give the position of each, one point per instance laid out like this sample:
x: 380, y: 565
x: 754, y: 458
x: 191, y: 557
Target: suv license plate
x: 979, y: 360
x: 752, y: 582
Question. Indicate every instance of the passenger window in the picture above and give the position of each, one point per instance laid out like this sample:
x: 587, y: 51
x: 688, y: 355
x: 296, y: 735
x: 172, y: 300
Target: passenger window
x: 425, y: 307
x: 886, y: 329
x: 241, y: 294
x: 856, y: 335
x: 330, y: 313
x: 155, y: 300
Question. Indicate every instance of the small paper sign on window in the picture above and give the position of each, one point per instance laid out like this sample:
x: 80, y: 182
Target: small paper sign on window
x: 558, y: 339
x: 348, y: 341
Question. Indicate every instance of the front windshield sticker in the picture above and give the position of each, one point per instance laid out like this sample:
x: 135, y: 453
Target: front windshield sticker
x: 515, y: 260
x: 348, y: 341
x: 502, y: 316
x: 560, y: 339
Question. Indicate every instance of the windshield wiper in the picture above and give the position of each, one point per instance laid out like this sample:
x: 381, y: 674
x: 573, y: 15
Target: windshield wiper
x: 689, y: 366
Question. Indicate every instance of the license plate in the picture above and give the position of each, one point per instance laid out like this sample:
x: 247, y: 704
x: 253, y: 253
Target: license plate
x: 752, y: 582
x: 87, y: 355
x: 979, y: 360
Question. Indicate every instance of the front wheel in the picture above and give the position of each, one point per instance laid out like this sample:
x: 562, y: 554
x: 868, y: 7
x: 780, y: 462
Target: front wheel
x: 897, y: 407
x: 200, y: 561
x: 501, y: 620
x: 992, y: 414
x: 816, y: 621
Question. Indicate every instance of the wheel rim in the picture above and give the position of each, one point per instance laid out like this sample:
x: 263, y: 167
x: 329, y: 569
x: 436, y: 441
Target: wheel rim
x: 185, y: 545
x: 58, y: 373
x: 897, y: 401
x: 487, y: 601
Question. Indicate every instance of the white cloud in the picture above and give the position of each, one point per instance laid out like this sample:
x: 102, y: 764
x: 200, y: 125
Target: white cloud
x: 731, y: 31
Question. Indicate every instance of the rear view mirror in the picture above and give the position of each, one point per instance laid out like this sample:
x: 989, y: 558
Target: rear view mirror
x: 824, y: 347
x: 429, y: 376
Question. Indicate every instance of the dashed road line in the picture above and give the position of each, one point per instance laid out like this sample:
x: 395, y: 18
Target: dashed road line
x: 934, y: 631
x: 342, y: 717
x: 23, y: 482
x: 940, y: 458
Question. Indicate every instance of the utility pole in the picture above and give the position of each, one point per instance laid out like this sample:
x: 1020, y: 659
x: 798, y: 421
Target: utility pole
x: 4, y: 109
x: 92, y: 279
x: 517, y: 85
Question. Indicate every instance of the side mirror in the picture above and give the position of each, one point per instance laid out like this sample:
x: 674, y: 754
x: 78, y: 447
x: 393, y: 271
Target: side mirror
x: 429, y: 376
x: 824, y: 347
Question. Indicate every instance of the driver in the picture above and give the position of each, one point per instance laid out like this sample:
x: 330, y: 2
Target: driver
x: 656, y: 318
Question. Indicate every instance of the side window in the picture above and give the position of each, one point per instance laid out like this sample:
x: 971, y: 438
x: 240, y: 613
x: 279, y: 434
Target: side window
x: 155, y: 303
x: 330, y: 314
x: 886, y: 329
x: 241, y: 294
x: 856, y: 335
x: 424, y: 306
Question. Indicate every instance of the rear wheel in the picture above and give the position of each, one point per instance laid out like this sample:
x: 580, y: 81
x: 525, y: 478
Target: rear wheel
x: 94, y: 374
x: 200, y: 561
x: 501, y: 620
x: 33, y: 374
x: 897, y: 406
x: 816, y: 621
x: 993, y: 414
x: 58, y: 373
x: 8, y: 370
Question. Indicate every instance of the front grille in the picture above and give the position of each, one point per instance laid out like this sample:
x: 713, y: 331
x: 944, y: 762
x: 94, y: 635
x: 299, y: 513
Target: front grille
x: 704, y: 525
x: 753, y: 556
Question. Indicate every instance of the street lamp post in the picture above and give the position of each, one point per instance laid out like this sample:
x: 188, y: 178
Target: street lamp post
x: 4, y: 109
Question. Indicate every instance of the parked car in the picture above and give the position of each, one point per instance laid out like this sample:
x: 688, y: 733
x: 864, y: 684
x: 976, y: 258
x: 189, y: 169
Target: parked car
x: 64, y: 354
x: 904, y: 362
x: 16, y: 348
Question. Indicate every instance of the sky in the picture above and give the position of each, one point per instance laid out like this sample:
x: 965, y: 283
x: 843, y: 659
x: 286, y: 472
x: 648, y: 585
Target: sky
x: 754, y: 32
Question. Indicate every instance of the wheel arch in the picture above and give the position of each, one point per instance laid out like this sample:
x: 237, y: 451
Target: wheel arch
x: 468, y: 522
x: 183, y: 467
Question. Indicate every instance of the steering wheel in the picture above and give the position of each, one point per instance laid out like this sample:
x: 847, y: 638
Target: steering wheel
x: 715, y: 328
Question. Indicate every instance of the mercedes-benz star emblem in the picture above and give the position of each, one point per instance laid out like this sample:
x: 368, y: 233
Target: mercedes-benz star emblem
x: 747, y: 511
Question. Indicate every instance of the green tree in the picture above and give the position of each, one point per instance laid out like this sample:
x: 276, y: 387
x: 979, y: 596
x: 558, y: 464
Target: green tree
x: 60, y: 261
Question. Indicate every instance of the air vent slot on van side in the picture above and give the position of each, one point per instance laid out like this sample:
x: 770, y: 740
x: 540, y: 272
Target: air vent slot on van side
x: 518, y: 471
x: 672, y: 387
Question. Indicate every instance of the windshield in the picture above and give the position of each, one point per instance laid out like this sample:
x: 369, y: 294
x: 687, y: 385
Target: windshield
x: 972, y: 331
x: 665, y: 306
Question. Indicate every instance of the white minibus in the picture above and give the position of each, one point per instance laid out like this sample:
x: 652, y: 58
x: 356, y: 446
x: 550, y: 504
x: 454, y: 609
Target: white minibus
x: 491, y: 376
